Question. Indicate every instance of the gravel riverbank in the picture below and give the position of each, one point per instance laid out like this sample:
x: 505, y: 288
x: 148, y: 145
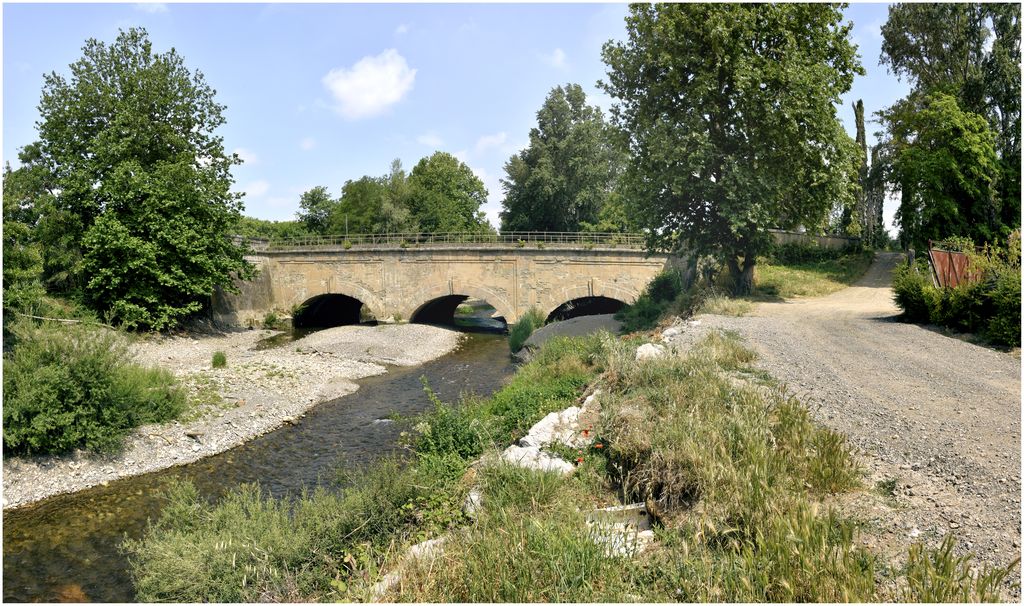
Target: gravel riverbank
x: 258, y: 391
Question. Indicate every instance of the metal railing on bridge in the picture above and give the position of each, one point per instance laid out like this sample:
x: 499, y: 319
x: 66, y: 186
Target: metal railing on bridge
x: 513, y: 239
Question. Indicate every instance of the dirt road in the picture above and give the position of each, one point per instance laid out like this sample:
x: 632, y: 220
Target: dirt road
x: 938, y: 415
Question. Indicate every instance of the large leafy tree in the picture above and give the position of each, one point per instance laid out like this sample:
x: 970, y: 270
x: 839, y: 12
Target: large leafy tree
x: 948, y: 175
x: 566, y: 175
x: 315, y: 207
x: 141, y: 182
x: 360, y: 206
x: 729, y: 112
x: 445, y: 195
x: 970, y: 52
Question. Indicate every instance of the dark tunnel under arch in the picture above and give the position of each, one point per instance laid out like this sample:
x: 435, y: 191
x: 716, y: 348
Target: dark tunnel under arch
x: 585, y: 306
x: 329, y: 310
x: 441, y: 311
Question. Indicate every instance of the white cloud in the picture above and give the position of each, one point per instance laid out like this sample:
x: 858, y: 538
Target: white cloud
x: 257, y: 188
x: 402, y: 29
x: 462, y: 155
x: 307, y: 143
x: 247, y: 155
x: 430, y: 140
x: 151, y: 7
x: 556, y: 59
x: 488, y: 141
x: 371, y: 85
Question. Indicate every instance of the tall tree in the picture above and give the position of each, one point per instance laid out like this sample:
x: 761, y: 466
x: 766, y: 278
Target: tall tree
x: 729, y: 113
x: 947, y: 175
x: 359, y: 207
x: 950, y: 49
x: 445, y: 195
x: 315, y: 207
x: 566, y: 175
x: 141, y: 181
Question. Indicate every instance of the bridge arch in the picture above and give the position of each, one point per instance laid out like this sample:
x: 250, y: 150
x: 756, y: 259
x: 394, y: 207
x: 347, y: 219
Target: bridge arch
x: 342, y: 294
x: 427, y: 296
x: 573, y: 293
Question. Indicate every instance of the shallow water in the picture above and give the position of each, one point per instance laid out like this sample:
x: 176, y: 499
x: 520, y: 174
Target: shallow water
x: 65, y: 548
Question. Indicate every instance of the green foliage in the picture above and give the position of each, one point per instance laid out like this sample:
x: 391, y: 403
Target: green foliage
x: 220, y: 359
x: 653, y: 303
x: 821, y: 272
x: 529, y: 322
x: 250, y: 547
x: 937, y: 575
x: 948, y: 50
x: 990, y: 307
x: 946, y: 166
x: 449, y: 430
x: 315, y: 208
x: 567, y: 174
x: 270, y: 320
x: 71, y: 387
x: 22, y: 255
x: 445, y: 195
x: 913, y: 291
x: 251, y: 227
x: 142, y: 201
x: 714, y: 165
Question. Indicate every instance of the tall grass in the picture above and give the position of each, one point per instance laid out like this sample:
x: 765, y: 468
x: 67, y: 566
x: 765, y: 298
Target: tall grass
x: 68, y: 387
x: 735, y: 472
x: 529, y: 322
x: 330, y: 546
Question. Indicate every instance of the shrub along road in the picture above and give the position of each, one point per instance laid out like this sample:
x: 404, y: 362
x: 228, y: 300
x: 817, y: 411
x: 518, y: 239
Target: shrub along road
x: 937, y: 419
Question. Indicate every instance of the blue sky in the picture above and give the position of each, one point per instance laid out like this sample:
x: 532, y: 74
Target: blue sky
x: 320, y: 93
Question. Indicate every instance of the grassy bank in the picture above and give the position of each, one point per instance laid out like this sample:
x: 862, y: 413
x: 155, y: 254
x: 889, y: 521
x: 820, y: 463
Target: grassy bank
x: 785, y: 272
x: 797, y: 271
x: 738, y: 476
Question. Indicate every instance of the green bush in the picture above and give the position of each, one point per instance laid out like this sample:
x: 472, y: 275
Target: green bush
x: 531, y: 321
x: 449, y: 429
x: 656, y: 299
x: 220, y: 360
x: 72, y: 387
x: 989, y: 307
x: 270, y: 320
x: 913, y: 292
x: 1004, y: 325
x: 795, y: 253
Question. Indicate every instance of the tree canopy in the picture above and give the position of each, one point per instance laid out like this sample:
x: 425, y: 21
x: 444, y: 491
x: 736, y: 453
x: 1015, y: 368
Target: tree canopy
x: 141, y: 183
x: 564, y: 178
x: 729, y: 114
x: 967, y: 54
x: 445, y: 195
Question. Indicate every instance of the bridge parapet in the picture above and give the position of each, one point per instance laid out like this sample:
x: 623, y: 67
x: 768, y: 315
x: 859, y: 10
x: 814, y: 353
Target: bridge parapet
x: 507, y: 240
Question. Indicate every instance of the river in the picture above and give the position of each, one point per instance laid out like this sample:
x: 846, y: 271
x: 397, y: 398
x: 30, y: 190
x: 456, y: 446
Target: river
x: 65, y: 548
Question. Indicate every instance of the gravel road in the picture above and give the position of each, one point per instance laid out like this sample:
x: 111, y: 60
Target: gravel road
x: 938, y: 415
x: 258, y: 391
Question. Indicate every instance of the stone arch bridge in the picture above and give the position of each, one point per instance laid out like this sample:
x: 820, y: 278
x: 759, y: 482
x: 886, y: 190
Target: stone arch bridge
x: 424, y: 278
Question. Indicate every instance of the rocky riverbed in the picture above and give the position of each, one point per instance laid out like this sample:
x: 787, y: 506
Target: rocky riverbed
x: 257, y: 391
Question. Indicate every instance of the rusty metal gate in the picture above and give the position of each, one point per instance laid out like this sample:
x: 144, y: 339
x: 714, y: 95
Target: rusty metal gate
x: 951, y: 268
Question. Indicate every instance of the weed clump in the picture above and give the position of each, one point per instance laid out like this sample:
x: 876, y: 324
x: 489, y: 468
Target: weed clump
x: 220, y: 359
x: 531, y: 321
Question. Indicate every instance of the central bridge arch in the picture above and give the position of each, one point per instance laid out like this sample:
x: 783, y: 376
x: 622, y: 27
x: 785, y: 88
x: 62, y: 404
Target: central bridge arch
x: 438, y: 299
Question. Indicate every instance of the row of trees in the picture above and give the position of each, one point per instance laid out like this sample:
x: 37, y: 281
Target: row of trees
x: 951, y: 148
x: 440, y: 195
